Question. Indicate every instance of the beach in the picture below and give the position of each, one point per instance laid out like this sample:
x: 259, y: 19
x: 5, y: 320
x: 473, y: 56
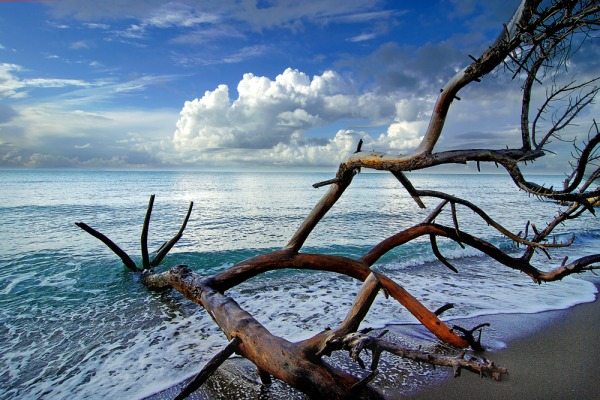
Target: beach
x: 558, y: 360
x: 553, y: 356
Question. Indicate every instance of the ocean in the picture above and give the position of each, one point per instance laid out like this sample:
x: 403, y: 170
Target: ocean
x: 75, y: 323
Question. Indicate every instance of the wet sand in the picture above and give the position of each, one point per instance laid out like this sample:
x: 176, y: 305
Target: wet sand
x: 557, y: 361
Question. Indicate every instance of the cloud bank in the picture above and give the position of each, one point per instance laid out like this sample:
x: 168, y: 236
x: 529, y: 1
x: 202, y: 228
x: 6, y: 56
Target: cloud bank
x: 273, y: 118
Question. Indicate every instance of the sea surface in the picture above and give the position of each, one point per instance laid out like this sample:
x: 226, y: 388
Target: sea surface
x: 75, y: 323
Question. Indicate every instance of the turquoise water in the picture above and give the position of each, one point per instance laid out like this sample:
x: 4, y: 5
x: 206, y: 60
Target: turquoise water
x: 74, y: 323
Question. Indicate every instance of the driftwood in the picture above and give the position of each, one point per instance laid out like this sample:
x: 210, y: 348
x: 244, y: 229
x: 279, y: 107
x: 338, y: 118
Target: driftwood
x: 536, y: 41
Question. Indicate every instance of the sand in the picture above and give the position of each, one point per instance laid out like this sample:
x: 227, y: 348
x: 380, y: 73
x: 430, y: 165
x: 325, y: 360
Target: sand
x: 560, y: 360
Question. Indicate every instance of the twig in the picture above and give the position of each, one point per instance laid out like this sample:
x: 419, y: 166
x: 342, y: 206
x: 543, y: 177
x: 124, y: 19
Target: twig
x: 439, y: 255
x: 455, y: 220
x: 443, y: 309
x: 436, y: 211
x: 325, y: 183
x: 409, y: 187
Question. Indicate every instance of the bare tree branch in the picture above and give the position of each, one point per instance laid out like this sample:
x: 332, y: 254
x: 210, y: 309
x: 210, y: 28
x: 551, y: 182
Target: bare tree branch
x: 110, y: 244
x: 357, y: 342
x: 144, y: 238
x: 209, y: 368
x: 167, y: 246
x: 536, y: 46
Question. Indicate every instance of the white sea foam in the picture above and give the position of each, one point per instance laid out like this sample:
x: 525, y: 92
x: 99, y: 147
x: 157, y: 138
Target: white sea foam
x: 10, y: 283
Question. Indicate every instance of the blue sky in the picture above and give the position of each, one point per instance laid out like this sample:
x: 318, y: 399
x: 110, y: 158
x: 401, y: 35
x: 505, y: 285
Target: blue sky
x: 194, y: 84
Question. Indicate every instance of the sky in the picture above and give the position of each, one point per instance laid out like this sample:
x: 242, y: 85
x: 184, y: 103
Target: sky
x: 245, y: 83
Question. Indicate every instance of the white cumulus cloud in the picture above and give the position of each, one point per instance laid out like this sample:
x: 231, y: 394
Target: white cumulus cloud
x: 273, y: 116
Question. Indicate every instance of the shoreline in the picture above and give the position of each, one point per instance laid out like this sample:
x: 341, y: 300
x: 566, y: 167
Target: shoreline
x: 556, y: 359
x: 549, y: 355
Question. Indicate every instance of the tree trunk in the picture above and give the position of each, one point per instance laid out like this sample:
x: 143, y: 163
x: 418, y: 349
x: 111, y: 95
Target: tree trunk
x: 284, y: 360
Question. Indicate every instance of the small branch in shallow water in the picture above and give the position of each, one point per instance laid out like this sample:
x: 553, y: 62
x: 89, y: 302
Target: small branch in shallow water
x: 167, y: 246
x: 146, y: 263
x: 436, y: 252
x: 144, y: 237
x: 443, y: 309
x: 468, y: 335
x: 110, y: 244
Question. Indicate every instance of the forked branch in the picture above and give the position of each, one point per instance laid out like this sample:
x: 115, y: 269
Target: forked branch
x: 538, y: 38
x: 355, y: 343
x: 146, y: 263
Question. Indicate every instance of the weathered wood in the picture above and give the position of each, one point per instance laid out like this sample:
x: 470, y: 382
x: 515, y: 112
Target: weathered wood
x: 436, y: 251
x: 110, y: 244
x: 209, y: 369
x: 146, y: 263
x: 337, y: 188
x: 144, y: 236
x: 318, y: 344
x: 167, y: 246
x: 275, y: 356
x: 357, y: 342
x: 342, y: 265
x: 409, y: 187
x: 526, y: 45
x: 264, y: 376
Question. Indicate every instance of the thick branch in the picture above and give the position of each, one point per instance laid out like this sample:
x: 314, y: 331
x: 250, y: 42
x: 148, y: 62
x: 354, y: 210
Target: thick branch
x: 355, y: 269
x: 521, y: 263
x: 493, y: 56
x: 319, y: 344
x: 362, y: 303
x: 288, y: 363
x: 508, y: 158
x: 580, y: 265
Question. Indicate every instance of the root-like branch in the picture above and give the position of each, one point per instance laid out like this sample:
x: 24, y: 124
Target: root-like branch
x: 357, y: 342
x: 436, y: 252
x: 146, y: 263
